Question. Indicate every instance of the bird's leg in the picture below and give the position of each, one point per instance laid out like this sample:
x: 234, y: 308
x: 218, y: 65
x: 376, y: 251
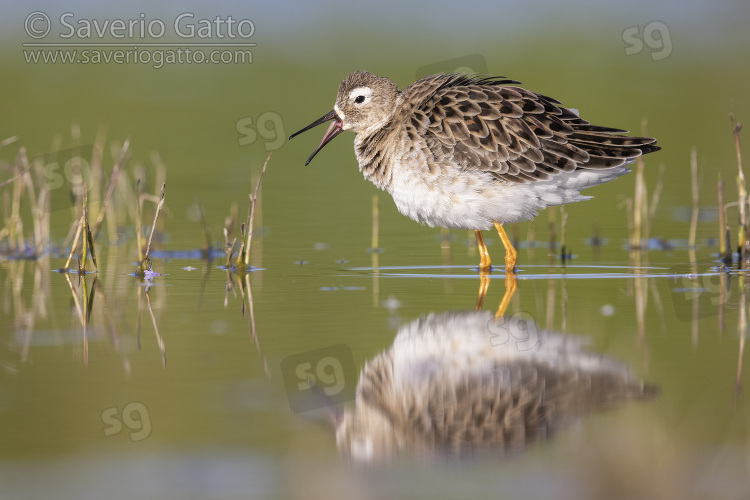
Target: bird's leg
x: 484, y: 284
x: 484, y: 256
x: 510, y: 289
x: 510, y: 252
x: 485, y: 267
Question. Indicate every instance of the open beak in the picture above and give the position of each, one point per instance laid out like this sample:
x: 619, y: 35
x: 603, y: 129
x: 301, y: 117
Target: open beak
x: 334, y: 130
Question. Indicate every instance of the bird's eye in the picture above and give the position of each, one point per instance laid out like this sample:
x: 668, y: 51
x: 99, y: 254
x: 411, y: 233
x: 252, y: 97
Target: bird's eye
x: 359, y: 99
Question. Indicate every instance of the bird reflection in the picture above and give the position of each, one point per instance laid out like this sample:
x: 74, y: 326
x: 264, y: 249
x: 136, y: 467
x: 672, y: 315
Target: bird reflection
x: 465, y: 384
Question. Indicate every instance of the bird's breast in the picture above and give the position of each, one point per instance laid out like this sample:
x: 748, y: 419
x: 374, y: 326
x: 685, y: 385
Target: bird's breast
x: 438, y: 192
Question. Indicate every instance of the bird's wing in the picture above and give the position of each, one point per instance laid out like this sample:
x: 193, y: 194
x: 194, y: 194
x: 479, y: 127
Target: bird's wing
x: 515, y: 404
x: 486, y: 123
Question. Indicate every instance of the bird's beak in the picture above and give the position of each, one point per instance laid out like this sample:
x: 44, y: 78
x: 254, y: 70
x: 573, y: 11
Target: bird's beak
x: 334, y: 130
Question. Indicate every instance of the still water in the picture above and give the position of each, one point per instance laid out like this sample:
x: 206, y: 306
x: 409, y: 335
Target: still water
x: 353, y: 361
x: 614, y: 375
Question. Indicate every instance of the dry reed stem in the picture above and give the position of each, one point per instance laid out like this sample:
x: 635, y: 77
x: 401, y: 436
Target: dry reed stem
x: 159, y: 340
x: 74, y: 247
x: 654, y: 202
x: 375, y: 237
x: 742, y: 192
x: 111, y: 187
x: 639, y: 197
x: 138, y: 222
x: 563, y: 233
x: 695, y: 192
x: 247, y: 241
x: 153, y: 227
x: 722, y: 217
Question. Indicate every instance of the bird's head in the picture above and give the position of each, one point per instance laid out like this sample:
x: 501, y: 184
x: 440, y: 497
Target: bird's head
x: 364, y: 103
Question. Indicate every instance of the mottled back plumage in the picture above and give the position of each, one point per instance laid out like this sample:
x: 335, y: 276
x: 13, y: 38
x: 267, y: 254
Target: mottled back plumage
x: 489, y: 124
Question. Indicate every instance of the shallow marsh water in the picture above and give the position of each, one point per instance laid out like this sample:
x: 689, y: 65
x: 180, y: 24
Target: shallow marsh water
x: 195, y: 385
x: 188, y: 402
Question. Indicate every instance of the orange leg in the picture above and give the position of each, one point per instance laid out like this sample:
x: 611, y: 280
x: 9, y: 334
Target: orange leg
x: 510, y: 289
x: 484, y: 255
x: 510, y: 252
x: 484, y: 270
x: 484, y: 284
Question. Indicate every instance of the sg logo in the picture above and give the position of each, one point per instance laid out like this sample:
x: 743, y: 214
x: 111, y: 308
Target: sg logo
x: 134, y: 416
x: 273, y: 136
x: 519, y: 331
x: 655, y: 36
x: 319, y: 378
x: 67, y: 168
x: 701, y: 296
x: 329, y: 372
